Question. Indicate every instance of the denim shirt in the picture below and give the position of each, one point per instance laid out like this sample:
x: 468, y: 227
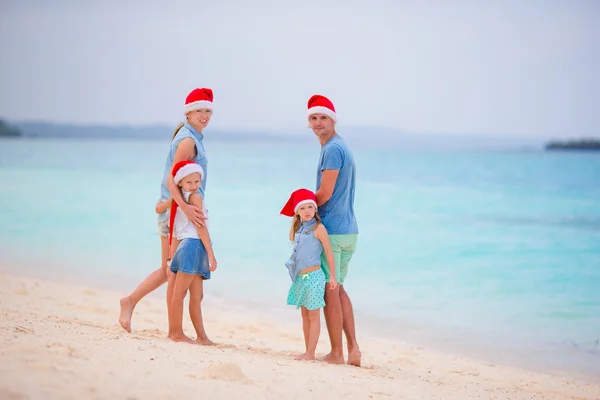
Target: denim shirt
x: 186, y: 131
x: 307, y: 249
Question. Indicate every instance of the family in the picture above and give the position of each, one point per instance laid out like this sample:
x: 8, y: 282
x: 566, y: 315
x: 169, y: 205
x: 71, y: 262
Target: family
x: 323, y: 232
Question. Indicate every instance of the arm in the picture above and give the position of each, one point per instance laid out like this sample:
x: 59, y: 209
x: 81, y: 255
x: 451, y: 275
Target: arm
x: 196, y: 200
x: 161, y: 207
x: 328, y: 180
x: 332, y: 163
x: 321, y: 234
x: 185, y: 151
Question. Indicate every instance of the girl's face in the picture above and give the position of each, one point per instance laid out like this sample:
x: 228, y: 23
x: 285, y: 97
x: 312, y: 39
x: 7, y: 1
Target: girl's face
x: 199, y: 118
x: 191, y: 183
x: 307, y: 211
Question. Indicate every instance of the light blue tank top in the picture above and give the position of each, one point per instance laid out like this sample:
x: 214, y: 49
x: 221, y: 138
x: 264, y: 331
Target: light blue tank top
x: 186, y: 131
x: 307, y: 249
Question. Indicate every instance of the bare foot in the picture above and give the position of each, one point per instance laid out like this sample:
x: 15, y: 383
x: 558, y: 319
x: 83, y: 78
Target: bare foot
x: 125, y: 314
x: 331, y: 359
x: 305, y: 356
x: 205, y: 341
x: 354, y: 357
x: 181, y: 338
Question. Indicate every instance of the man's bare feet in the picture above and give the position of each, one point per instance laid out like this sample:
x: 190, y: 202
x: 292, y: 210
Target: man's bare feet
x: 332, y: 359
x: 354, y: 356
x: 181, y: 338
x: 205, y: 341
x: 305, y: 356
x: 125, y: 314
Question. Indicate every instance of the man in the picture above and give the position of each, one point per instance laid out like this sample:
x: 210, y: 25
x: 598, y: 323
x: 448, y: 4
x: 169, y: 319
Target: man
x: 336, y: 177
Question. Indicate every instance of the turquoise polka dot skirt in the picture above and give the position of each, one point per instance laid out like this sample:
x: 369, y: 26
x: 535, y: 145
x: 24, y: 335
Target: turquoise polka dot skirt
x: 308, y: 290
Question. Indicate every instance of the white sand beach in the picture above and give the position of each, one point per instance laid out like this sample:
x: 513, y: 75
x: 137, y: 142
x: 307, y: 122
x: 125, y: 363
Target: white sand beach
x: 63, y: 341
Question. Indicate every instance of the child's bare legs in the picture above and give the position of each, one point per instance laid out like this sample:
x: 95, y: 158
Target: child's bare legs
x: 148, y: 285
x: 183, y: 282
x: 196, y: 295
x: 305, y: 327
x: 311, y: 324
x: 170, y: 285
x: 170, y: 278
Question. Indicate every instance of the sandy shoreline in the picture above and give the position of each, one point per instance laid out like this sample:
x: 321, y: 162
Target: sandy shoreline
x: 63, y: 341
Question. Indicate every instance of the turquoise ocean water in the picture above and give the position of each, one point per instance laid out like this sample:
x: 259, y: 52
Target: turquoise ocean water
x: 494, y: 254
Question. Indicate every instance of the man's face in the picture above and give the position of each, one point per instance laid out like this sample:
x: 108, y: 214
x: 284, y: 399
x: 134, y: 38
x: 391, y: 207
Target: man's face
x: 321, y: 124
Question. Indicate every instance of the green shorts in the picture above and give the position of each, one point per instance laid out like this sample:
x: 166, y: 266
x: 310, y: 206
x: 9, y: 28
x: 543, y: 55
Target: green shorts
x: 343, y: 247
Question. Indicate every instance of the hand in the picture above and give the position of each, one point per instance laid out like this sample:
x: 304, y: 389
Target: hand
x: 212, y: 262
x: 195, y: 215
x: 332, y: 283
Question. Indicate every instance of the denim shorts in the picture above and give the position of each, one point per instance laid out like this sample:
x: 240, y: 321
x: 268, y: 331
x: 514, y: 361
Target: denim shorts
x: 191, y: 258
x: 163, y: 228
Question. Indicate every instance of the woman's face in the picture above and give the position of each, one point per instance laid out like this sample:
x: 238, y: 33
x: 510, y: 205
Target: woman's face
x: 199, y: 118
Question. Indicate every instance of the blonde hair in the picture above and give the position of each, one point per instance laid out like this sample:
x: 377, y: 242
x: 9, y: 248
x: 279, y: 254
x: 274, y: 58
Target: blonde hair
x: 298, y: 221
x: 181, y: 124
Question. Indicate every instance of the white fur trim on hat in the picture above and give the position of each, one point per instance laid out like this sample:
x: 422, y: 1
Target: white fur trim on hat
x: 188, y: 170
x: 324, y: 111
x: 300, y: 203
x: 197, y: 105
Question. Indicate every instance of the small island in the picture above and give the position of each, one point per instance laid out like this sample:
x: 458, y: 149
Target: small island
x: 8, y: 131
x: 577, y: 144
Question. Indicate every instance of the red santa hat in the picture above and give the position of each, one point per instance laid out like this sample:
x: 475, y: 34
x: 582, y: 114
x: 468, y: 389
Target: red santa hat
x: 298, y: 198
x: 198, y: 99
x: 180, y: 171
x: 321, y: 105
x: 185, y: 168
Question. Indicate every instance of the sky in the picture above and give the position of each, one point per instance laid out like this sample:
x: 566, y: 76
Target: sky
x: 518, y: 68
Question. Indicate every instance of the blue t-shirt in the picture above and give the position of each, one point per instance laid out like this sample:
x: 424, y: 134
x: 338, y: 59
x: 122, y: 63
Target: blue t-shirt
x: 337, y: 214
x: 186, y: 131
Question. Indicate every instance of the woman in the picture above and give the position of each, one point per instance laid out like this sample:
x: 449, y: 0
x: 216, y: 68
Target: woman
x: 187, y: 144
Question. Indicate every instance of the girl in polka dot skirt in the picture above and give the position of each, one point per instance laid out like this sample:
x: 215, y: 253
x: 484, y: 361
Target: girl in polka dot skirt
x: 310, y: 239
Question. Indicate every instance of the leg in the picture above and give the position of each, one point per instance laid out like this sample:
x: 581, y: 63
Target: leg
x: 333, y: 307
x: 165, y: 255
x: 170, y: 285
x: 314, y: 317
x: 348, y: 249
x: 354, y: 354
x: 314, y: 322
x: 306, y: 331
x: 180, y: 288
x: 334, y: 322
x: 305, y: 327
x: 196, y: 296
x: 148, y: 285
x: 170, y: 275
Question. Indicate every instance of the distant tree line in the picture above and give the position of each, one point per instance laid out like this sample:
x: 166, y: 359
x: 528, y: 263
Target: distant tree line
x: 7, y: 130
x: 576, y: 144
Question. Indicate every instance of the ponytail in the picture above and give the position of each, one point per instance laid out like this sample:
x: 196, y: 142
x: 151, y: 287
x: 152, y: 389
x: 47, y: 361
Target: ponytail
x: 181, y: 124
